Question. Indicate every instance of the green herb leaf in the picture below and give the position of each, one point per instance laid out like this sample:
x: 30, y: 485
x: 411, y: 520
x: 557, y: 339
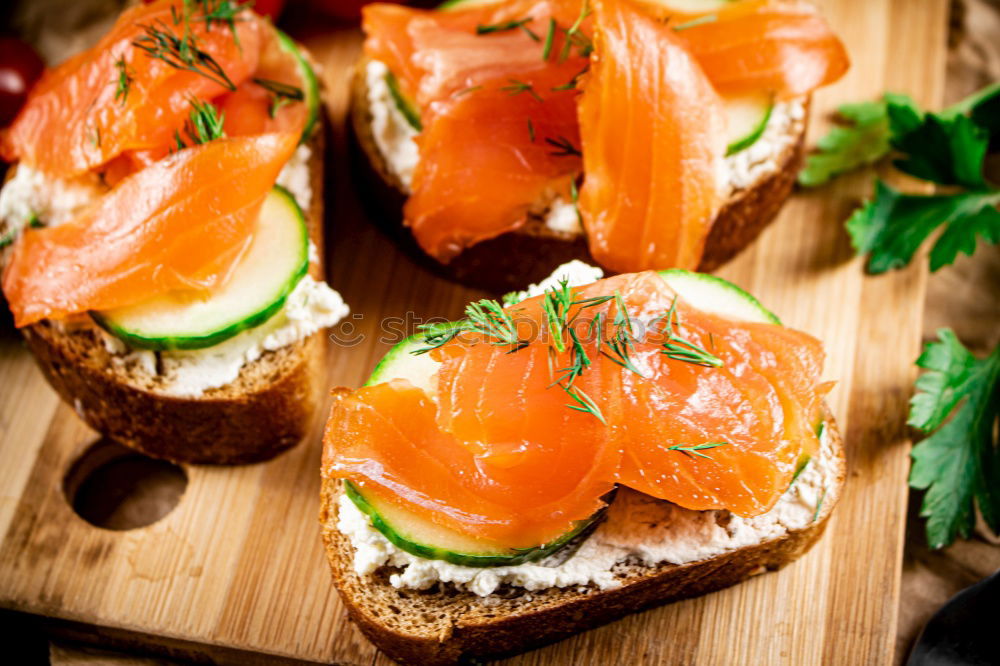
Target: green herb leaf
x: 893, y: 226
x: 940, y: 149
x: 694, y: 450
x: 959, y: 464
x: 863, y: 140
x: 159, y: 41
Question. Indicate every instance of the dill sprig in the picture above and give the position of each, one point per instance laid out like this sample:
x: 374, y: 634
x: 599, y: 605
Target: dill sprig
x: 517, y: 87
x: 505, y: 26
x: 485, y: 317
x: 679, y: 349
x: 466, y: 91
x: 572, y: 83
x: 124, y: 81
x: 550, y: 37
x: 160, y: 41
x: 575, y: 37
x: 281, y: 94
x: 564, y: 147
x: 694, y: 23
x: 531, y: 130
x: 204, y: 124
x: 623, y: 340
x: 221, y: 11
x: 695, y: 450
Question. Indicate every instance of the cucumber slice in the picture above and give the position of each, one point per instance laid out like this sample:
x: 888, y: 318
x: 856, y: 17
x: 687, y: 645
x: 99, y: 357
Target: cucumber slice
x: 277, y: 259
x: 403, y: 103
x: 309, y: 85
x: 410, y: 532
x: 718, y: 296
x: 747, y: 117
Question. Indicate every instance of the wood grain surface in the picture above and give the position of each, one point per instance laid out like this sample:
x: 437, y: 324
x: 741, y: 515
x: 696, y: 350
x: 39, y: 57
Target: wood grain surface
x: 236, y: 572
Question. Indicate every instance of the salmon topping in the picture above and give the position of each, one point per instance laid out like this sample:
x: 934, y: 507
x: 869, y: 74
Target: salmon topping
x: 512, y: 445
x: 131, y: 92
x: 180, y: 223
x: 650, y: 116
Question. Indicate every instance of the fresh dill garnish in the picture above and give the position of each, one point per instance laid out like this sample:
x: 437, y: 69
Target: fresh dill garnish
x: 531, y: 130
x: 465, y: 91
x: 565, y: 147
x: 281, y: 94
x: 95, y: 137
x: 623, y: 339
x: 505, y: 26
x: 161, y: 42
x: 584, y: 403
x: 574, y: 36
x: 549, y: 39
x: 221, y: 11
x: 517, y: 87
x: 679, y: 349
x: 204, y: 124
x: 694, y: 23
x: 572, y: 83
x: 694, y: 450
x: 485, y: 317
x: 124, y: 82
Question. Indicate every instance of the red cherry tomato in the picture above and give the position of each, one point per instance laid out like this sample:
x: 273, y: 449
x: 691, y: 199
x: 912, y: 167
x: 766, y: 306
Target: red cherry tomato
x: 270, y: 8
x: 20, y: 67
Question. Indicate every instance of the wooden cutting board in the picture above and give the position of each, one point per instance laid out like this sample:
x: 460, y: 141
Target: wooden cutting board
x: 235, y: 572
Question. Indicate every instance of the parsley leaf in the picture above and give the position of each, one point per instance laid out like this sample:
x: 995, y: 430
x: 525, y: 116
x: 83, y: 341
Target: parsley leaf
x: 940, y: 148
x: 863, y: 141
x: 893, y: 226
x: 959, y: 464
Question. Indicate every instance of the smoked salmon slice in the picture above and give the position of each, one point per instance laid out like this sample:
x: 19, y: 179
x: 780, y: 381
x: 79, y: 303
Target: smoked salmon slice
x: 493, y: 449
x: 499, y: 117
x: 434, y: 54
x: 520, y: 143
x: 652, y: 129
x: 650, y: 116
x: 132, y: 91
x: 180, y: 223
x: 781, y: 46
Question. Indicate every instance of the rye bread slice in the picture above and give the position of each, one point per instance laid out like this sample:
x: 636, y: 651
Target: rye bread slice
x: 266, y: 410
x: 527, y: 255
x: 445, y: 625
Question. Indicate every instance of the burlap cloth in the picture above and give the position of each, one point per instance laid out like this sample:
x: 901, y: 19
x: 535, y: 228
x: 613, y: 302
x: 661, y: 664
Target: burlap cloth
x: 965, y: 297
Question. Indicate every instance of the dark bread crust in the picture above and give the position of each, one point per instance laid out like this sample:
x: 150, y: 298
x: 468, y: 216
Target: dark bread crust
x: 527, y: 255
x: 264, y: 412
x: 445, y: 626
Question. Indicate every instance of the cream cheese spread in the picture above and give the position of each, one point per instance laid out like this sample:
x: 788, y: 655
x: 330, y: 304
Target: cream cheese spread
x: 394, y: 136
x: 31, y: 193
x: 396, y: 141
x: 639, y: 529
x: 296, y: 177
x: 311, y: 306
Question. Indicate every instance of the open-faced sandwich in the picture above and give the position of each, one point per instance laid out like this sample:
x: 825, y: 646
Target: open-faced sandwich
x: 162, y: 224
x: 580, y: 453
x: 515, y: 135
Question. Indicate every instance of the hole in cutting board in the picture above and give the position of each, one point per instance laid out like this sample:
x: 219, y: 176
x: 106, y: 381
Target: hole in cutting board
x: 116, y: 488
